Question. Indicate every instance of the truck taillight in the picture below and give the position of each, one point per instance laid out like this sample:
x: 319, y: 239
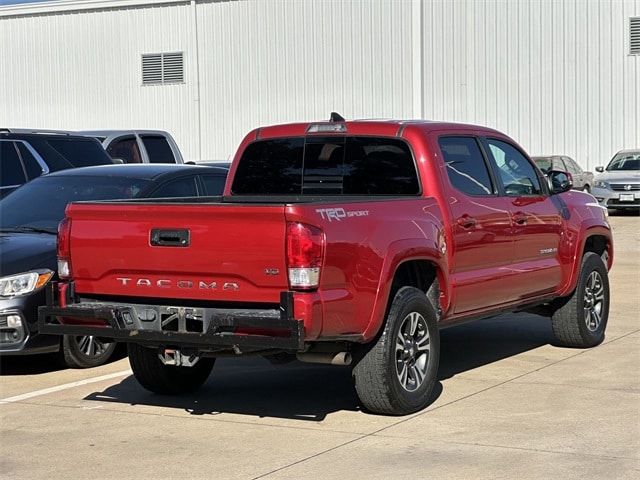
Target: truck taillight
x: 64, y: 248
x: 305, y: 249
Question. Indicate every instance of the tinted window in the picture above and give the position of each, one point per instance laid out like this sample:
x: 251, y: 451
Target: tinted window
x: 466, y: 168
x: 80, y: 153
x: 181, y: 187
x: 31, y: 165
x: 379, y: 166
x: 213, y: 184
x: 11, y: 172
x: 158, y: 149
x: 270, y: 167
x: 517, y: 174
x: 332, y: 165
x: 126, y: 149
x: 53, y: 194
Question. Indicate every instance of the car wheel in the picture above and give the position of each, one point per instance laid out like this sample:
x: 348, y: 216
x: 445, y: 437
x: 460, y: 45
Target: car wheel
x: 397, y: 373
x: 157, y: 377
x: 580, y: 320
x: 85, y: 351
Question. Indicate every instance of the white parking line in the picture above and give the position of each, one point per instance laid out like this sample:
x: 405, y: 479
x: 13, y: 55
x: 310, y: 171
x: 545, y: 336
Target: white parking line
x: 65, y: 386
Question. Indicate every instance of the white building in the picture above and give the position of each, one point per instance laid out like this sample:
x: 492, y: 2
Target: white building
x: 559, y: 76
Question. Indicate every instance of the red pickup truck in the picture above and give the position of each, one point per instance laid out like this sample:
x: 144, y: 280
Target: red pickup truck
x: 341, y: 242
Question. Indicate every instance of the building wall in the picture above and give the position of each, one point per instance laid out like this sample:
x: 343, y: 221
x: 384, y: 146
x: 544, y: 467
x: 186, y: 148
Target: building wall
x: 555, y: 75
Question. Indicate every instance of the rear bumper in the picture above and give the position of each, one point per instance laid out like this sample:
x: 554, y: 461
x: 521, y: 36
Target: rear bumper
x: 205, y: 329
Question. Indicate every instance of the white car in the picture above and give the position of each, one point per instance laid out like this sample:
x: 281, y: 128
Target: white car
x: 137, y: 146
x: 617, y: 186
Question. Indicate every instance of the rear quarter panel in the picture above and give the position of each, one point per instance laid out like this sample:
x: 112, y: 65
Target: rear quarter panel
x: 363, y: 251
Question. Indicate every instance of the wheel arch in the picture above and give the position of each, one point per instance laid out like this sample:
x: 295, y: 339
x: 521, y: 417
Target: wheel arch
x: 424, y: 270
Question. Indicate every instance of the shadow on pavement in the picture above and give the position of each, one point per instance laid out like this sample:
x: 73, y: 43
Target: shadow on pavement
x: 42, y: 363
x: 30, y: 364
x: 252, y: 386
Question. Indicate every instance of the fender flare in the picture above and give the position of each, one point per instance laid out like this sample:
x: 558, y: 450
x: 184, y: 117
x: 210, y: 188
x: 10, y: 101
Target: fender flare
x: 587, y: 230
x: 401, y: 252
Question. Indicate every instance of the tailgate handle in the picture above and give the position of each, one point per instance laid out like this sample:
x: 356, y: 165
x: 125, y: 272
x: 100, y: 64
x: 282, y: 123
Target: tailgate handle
x: 169, y: 238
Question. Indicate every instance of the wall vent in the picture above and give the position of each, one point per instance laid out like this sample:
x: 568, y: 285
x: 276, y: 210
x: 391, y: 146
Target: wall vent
x: 634, y: 36
x: 162, y: 68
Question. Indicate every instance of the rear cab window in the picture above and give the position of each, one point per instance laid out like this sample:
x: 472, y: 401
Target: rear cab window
x: 80, y: 152
x: 331, y: 165
x: 158, y: 149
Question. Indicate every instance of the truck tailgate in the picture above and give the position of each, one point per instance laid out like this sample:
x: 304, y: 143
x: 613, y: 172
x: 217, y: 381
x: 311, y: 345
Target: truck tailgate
x: 233, y: 253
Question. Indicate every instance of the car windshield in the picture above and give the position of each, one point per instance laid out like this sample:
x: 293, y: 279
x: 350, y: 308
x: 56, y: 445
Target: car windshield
x: 625, y: 161
x: 40, y: 204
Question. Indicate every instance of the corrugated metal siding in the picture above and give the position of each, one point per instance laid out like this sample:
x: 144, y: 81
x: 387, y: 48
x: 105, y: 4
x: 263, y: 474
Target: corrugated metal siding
x: 555, y: 75
x: 266, y: 62
x: 82, y: 70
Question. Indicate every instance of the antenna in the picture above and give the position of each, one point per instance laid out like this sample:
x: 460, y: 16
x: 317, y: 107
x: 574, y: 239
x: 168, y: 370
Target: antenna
x: 336, y: 117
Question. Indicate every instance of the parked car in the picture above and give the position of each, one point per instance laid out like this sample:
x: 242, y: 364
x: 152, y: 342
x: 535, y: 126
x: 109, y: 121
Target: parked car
x: 339, y: 243
x: 28, y: 226
x: 582, y: 180
x: 25, y: 155
x: 138, y: 146
x: 617, y: 187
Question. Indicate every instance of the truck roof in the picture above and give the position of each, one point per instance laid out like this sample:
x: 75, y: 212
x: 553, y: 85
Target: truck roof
x: 384, y: 127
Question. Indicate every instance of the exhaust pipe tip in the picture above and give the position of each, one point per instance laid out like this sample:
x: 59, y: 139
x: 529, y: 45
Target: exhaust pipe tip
x: 340, y: 358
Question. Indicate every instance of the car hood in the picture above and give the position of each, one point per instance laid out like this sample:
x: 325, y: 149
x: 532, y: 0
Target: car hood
x: 621, y: 176
x: 21, y: 252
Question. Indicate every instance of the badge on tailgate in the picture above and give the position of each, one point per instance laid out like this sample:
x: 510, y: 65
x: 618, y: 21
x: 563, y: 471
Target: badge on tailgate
x: 173, y: 237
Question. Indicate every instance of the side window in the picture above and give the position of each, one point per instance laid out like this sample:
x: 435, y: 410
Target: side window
x: 125, y: 148
x: 31, y: 165
x: 572, y: 166
x: 180, y: 187
x: 213, y: 184
x: 158, y: 149
x: 11, y: 172
x: 466, y: 168
x: 517, y: 174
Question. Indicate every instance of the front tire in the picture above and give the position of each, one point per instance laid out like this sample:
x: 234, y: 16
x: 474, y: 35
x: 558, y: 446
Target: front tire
x: 580, y: 320
x: 85, y: 351
x: 157, y: 377
x: 398, y: 372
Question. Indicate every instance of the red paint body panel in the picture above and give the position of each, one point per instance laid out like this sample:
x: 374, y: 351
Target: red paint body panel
x: 493, y: 264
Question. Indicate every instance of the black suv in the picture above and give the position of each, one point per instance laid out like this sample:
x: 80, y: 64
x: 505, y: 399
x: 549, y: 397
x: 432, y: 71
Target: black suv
x: 25, y: 155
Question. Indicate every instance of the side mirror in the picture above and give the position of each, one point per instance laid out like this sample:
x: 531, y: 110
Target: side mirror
x: 118, y: 161
x: 600, y: 169
x: 559, y: 181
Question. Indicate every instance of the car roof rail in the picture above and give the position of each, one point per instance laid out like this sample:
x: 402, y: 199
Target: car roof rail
x: 35, y: 130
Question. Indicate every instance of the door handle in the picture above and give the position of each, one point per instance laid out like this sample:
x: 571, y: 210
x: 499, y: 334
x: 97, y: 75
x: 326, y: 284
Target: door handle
x: 466, y: 221
x: 169, y: 238
x: 520, y: 218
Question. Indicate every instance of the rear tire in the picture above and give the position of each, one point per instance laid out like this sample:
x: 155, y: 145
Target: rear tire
x: 85, y: 351
x: 397, y: 373
x: 157, y: 377
x: 580, y: 320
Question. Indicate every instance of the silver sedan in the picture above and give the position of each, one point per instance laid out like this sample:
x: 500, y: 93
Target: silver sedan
x: 617, y: 186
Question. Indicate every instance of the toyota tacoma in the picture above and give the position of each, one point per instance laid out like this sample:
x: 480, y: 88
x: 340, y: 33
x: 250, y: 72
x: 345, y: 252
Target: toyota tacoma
x: 339, y: 242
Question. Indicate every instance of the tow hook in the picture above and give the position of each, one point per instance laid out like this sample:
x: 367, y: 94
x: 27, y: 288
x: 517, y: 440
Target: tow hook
x: 176, y: 358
